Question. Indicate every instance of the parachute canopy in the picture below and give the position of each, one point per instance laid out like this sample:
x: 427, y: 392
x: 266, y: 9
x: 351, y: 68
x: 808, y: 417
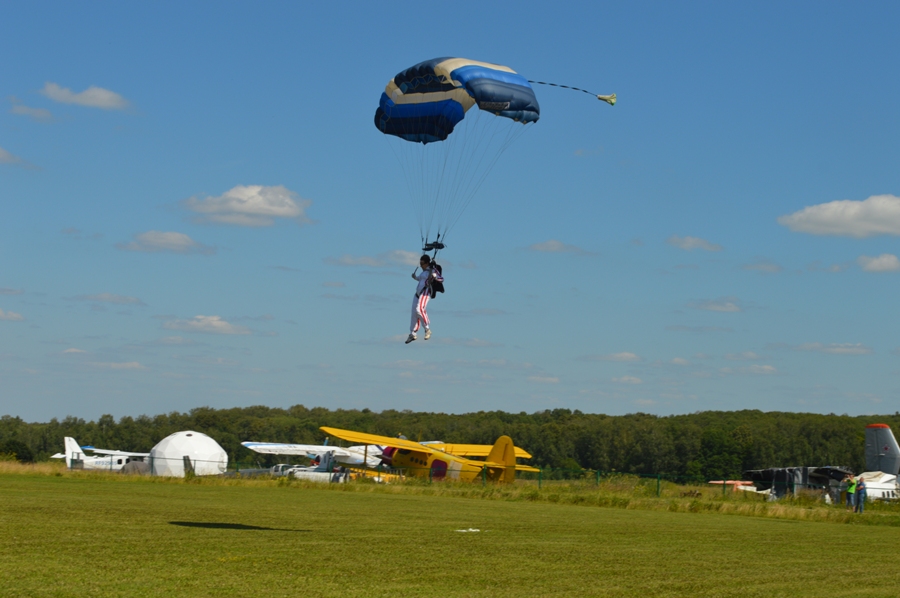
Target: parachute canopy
x: 425, y: 102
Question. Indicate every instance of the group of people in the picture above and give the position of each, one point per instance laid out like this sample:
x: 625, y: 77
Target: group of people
x: 856, y: 493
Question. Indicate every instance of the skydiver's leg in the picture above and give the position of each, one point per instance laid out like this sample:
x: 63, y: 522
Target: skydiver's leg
x: 414, y: 321
x: 423, y: 314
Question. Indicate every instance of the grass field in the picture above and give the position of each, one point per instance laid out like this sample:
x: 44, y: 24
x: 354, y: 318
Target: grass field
x: 82, y: 534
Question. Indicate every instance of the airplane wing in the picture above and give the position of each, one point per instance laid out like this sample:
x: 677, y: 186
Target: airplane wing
x: 472, y: 450
x: 107, y: 452
x: 364, y: 438
x: 58, y: 456
x: 278, y: 448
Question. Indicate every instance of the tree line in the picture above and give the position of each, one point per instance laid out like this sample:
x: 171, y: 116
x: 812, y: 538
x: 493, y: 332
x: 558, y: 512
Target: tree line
x: 703, y: 445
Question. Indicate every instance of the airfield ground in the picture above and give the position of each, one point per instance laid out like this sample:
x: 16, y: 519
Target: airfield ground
x: 90, y: 534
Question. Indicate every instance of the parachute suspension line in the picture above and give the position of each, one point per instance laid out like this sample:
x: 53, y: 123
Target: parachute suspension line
x: 489, y: 148
x: 513, y: 133
x: 481, y: 132
x: 398, y: 149
x: 466, y: 156
x: 610, y: 99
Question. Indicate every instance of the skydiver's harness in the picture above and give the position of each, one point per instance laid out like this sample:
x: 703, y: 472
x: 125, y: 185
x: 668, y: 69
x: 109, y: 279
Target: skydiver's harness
x: 435, y: 282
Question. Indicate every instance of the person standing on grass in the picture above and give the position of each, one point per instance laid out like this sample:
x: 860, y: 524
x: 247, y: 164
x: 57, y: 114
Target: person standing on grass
x: 851, y: 492
x: 860, y: 495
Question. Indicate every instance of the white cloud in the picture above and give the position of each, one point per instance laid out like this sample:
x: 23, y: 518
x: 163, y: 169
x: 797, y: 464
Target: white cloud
x: 74, y: 351
x: 623, y: 356
x: 158, y: 241
x: 397, y: 257
x: 110, y: 298
x: 8, y: 158
x: 206, y: 324
x: 761, y: 369
x: 885, y: 262
x: 691, y: 243
x: 764, y: 266
x: 543, y: 379
x: 11, y: 316
x: 756, y: 370
x: 464, y: 342
x: 129, y: 365
x: 553, y: 246
x: 92, y: 97
x: 173, y: 341
x: 818, y: 267
x: 8, y: 291
x: 722, y: 304
x: 836, y: 348
x: 250, y: 205
x: 628, y: 380
x: 680, y: 361
x: 877, y: 215
x: 36, y: 114
x: 407, y: 364
x: 743, y: 356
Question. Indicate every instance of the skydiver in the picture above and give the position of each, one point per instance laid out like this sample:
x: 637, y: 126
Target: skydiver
x: 424, y: 293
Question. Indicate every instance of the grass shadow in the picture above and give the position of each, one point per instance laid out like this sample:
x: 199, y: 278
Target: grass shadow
x: 236, y: 526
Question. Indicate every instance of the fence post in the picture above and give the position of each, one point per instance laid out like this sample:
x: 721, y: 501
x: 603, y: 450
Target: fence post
x: 598, y: 477
x: 658, y: 485
x: 540, y: 476
x: 723, y: 485
x: 483, y: 476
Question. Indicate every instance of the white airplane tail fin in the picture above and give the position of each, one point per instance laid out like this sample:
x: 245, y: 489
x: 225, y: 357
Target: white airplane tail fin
x: 882, y: 452
x: 73, y: 451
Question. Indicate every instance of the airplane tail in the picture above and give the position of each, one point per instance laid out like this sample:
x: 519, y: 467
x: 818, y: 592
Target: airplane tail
x: 882, y: 452
x: 503, y: 451
x: 73, y: 451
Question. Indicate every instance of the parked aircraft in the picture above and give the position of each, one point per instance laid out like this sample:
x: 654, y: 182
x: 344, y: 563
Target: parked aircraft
x: 882, y: 452
x: 323, y: 471
x: 373, y: 455
x: 881, y: 475
x: 352, y: 455
x: 107, y: 460
x: 424, y: 460
x: 882, y: 463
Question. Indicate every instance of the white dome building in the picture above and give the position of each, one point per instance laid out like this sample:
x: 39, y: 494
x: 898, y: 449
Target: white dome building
x: 169, y: 457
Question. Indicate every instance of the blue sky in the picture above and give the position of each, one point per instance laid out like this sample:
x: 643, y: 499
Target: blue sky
x: 197, y: 210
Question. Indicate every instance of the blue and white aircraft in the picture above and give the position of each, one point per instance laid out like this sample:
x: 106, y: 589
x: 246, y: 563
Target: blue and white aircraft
x: 102, y: 459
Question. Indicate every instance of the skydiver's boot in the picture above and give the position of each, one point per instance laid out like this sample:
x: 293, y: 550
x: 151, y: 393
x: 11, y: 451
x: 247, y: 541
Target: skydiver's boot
x: 427, y: 333
x: 410, y: 338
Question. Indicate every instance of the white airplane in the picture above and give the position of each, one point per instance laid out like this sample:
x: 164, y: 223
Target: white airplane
x: 882, y: 463
x: 351, y: 455
x: 108, y: 461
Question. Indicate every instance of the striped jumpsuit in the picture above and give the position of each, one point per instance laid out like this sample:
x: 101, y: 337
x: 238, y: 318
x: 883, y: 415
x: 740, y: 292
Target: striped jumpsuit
x: 420, y: 301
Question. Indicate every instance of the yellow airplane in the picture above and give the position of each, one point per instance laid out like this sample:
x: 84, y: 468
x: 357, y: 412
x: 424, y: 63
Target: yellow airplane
x: 424, y: 460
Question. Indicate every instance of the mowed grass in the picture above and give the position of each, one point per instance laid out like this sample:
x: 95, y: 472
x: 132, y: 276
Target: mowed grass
x: 108, y: 535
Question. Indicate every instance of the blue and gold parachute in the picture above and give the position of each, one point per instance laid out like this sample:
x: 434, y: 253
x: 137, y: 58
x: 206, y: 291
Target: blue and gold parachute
x: 446, y: 149
x: 426, y: 101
